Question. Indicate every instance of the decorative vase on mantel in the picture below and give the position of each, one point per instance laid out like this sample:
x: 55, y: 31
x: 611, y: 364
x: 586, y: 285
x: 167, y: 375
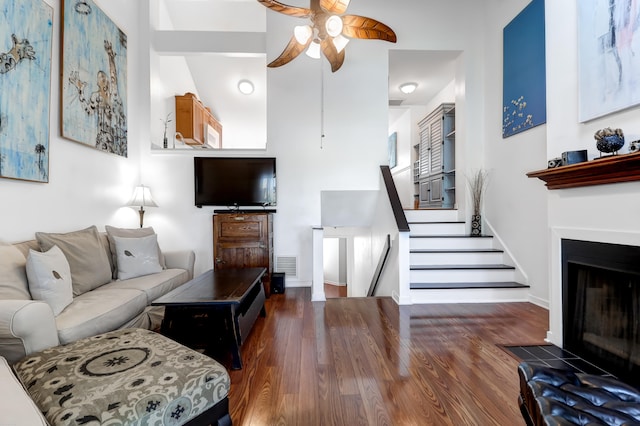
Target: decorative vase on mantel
x: 476, y: 225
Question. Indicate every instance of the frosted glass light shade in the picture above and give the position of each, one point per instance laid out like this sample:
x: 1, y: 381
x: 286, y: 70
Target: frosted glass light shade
x: 340, y: 42
x: 302, y: 33
x: 314, y: 50
x: 245, y: 87
x: 333, y: 26
x: 408, y: 87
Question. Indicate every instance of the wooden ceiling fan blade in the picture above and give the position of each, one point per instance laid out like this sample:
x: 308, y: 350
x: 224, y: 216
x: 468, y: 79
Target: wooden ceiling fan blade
x: 335, y: 58
x: 289, y: 53
x: 367, y: 28
x: 337, y: 7
x: 298, y: 12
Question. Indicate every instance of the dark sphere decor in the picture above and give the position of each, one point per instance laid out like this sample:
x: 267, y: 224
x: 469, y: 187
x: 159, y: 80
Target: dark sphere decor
x: 608, y: 140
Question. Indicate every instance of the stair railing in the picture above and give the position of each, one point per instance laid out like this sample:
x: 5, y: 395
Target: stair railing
x: 378, y: 272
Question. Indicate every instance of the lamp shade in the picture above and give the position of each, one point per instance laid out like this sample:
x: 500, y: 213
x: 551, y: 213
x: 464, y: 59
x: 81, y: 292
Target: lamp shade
x: 142, y: 197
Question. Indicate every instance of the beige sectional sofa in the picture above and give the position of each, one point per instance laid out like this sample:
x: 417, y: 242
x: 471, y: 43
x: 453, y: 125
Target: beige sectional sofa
x: 95, y: 299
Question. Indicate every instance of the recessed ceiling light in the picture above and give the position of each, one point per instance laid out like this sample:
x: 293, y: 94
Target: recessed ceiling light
x: 245, y: 87
x: 408, y: 87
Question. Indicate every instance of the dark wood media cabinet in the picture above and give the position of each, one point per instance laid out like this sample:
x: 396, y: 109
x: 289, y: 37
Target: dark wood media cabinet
x: 244, y: 239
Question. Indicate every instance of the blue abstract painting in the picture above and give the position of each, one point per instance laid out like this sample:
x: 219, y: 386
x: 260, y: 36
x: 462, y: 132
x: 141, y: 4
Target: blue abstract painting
x: 393, y: 147
x: 94, y: 78
x: 524, y: 97
x: 26, y: 28
x: 608, y: 60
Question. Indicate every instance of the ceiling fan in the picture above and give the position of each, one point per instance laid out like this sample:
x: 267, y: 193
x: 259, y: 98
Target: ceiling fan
x: 327, y: 32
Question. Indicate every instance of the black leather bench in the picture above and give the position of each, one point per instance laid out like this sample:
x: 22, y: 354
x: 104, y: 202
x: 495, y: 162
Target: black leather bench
x: 552, y: 397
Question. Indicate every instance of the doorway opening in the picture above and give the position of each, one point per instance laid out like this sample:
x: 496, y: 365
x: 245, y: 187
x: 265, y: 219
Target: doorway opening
x: 335, y: 267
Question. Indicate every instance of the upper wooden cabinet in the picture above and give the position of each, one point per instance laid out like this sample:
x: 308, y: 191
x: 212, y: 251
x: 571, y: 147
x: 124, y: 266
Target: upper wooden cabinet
x: 195, y: 122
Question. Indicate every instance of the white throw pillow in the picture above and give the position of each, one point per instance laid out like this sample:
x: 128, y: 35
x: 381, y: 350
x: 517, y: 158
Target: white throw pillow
x: 137, y: 256
x: 49, y: 278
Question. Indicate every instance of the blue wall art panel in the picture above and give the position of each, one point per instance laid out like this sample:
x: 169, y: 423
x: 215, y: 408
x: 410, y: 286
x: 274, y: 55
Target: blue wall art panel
x: 524, y: 96
x: 94, y: 78
x: 608, y: 59
x: 393, y: 150
x: 26, y: 28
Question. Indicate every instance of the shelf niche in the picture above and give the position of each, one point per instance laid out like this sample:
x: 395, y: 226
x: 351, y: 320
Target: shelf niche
x: 600, y: 171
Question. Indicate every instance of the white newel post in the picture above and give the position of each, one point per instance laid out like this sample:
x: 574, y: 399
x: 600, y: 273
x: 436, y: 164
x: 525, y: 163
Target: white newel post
x: 317, y: 286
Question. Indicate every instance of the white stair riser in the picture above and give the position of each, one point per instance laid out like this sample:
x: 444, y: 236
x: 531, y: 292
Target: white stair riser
x: 484, y: 295
x: 473, y: 258
x: 437, y: 228
x: 450, y: 243
x: 461, y: 275
x: 431, y: 215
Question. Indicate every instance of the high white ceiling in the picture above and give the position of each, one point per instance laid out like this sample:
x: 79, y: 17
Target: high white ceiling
x: 432, y: 70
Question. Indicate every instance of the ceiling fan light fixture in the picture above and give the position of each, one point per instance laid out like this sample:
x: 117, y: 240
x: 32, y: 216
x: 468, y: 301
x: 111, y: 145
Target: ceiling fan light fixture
x: 340, y: 42
x: 302, y: 33
x: 314, y: 50
x: 245, y: 87
x: 333, y: 25
x: 408, y: 87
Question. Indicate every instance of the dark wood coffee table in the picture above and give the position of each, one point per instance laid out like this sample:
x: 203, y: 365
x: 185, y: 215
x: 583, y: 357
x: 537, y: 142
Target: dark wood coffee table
x: 216, y: 306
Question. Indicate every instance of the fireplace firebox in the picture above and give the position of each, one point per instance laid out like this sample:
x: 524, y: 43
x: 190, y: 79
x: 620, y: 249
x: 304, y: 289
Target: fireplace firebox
x: 601, y: 305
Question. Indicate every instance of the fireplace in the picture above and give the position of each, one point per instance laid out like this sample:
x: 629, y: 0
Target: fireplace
x: 601, y: 305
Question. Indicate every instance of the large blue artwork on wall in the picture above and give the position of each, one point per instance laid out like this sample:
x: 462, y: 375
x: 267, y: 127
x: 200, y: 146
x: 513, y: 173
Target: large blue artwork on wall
x: 26, y: 28
x: 608, y: 60
x: 94, y: 78
x: 524, y: 97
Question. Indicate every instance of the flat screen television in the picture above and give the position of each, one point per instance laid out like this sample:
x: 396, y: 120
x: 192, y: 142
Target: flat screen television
x: 235, y: 181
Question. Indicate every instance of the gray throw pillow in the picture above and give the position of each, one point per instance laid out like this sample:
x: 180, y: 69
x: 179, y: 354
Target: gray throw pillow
x: 86, y: 255
x: 137, y: 256
x: 13, y: 277
x: 112, y: 231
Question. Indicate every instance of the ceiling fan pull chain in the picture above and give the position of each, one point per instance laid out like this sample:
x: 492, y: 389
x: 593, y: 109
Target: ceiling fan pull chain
x: 321, y: 105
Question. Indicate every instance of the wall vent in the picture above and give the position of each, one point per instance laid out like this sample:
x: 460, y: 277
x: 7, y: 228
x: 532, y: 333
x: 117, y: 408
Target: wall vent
x: 288, y: 265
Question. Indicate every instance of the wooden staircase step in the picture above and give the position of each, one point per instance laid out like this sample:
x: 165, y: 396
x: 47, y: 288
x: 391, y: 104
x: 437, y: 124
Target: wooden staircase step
x: 450, y: 236
x: 457, y: 267
x: 472, y: 250
x: 447, y: 286
x: 435, y: 222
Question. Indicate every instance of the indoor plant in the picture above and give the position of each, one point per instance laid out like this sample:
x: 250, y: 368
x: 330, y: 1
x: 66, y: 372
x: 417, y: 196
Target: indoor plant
x: 477, y: 185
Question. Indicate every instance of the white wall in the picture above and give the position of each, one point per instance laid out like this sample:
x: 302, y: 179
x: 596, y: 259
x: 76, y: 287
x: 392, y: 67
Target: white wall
x: 331, y: 260
x: 86, y: 186
x: 89, y: 187
x: 515, y: 206
x: 607, y: 213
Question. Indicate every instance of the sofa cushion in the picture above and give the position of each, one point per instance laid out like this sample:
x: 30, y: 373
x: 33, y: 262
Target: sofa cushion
x: 112, y: 231
x: 16, y: 406
x: 13, y: 277
x: 137, y: 256
x: 99, y: 311
x: 50, y: 278
x: 154, y: 285
x: 86, y: 256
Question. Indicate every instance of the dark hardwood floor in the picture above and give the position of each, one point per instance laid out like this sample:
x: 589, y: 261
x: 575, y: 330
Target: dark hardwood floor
x: 367, y: 361
x: 331, y: 291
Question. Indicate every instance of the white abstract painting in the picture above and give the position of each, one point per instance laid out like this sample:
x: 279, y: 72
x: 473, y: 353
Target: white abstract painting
x: 609, y: 56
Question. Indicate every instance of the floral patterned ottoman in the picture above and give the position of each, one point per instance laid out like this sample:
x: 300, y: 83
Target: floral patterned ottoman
x: 126, y: 377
